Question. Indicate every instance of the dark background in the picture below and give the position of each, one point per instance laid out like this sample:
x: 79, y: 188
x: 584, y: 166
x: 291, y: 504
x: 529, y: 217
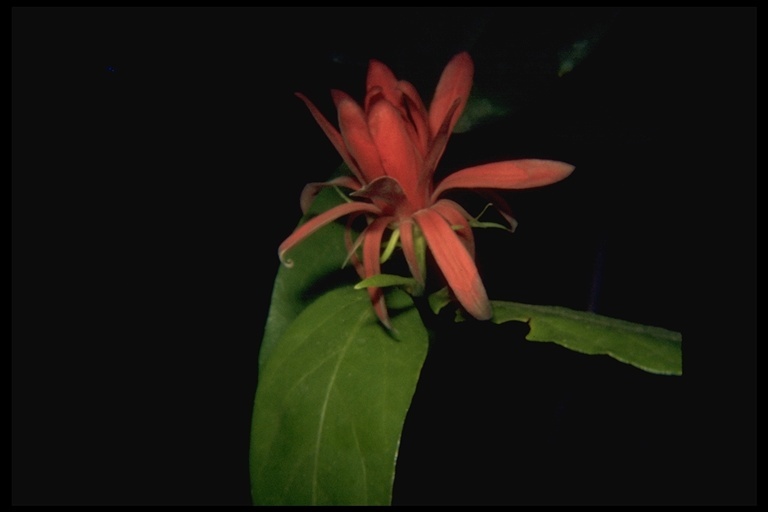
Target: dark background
x: 157, y: 160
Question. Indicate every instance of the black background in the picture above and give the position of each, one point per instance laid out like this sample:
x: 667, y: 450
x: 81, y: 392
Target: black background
x: 157, y: 159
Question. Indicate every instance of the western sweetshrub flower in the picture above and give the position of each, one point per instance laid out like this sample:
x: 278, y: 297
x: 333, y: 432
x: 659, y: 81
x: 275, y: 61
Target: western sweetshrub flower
x: 392, y: 145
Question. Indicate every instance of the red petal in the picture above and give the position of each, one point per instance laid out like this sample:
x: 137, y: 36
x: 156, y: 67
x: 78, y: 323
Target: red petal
x: 418, y: 114
x: 372, y: 265
x: 321, y: 220
x: 437, y: 146
x: 457, y: 216
x: 455, y: 82
x: 311, y: 190
x: 379, y: 75
x: 406, y: 239
x: 333, y: 135
x: 455, y: 262
x: 511, y: 174
x: 373, y: 95
x: 399, y: 156
x: 354, y: 130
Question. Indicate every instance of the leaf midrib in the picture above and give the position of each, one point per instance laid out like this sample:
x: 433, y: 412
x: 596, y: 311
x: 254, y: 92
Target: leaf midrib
x: 321, y: 424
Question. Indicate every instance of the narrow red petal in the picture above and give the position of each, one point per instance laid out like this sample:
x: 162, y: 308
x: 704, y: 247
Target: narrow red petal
x: 417, y: 113
x: 413, y: 96
x: 379, y: 306
x: 321, y: 220
x: 437, y: 146
x: 372, y: 265
x: 354, y: 130
x: 333, y: 135
x: 379, y: 75
x: 399, y: 155
x: 455, y: 262
x: 311, y: 190
x: 455, y: 82
x: 406, y: 239
x: 509, y: 175
x: 373, y: 95
x: 456, y: 215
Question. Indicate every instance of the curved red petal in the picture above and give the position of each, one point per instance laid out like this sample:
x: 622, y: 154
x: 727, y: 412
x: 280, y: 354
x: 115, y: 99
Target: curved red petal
x: 406, y: 239
x: 455, y: 262
x: 311, y: 190
x: 456, y: 215
x: 379, y: 75
x: 333, y: 135
x: 358, y: 139
x: 455, y: 82
x: 372, y: 265
x: 437, y: 146
x: 418, y: 115
x: 509, y: 175
x: 399, y: 155
x: 315, y: 223
x: 373, y: 95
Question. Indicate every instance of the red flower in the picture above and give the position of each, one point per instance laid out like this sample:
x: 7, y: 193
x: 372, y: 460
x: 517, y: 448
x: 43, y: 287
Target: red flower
x: 392, y: 146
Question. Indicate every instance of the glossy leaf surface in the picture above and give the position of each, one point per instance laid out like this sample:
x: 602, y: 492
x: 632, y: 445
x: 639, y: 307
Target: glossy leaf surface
x: 332, y: 400
x: 652, y: 349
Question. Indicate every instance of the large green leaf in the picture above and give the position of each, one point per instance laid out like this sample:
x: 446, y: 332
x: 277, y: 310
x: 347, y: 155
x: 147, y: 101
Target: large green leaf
x: 332, y: 400
x: 652, y: 349
x: 317, y: 267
